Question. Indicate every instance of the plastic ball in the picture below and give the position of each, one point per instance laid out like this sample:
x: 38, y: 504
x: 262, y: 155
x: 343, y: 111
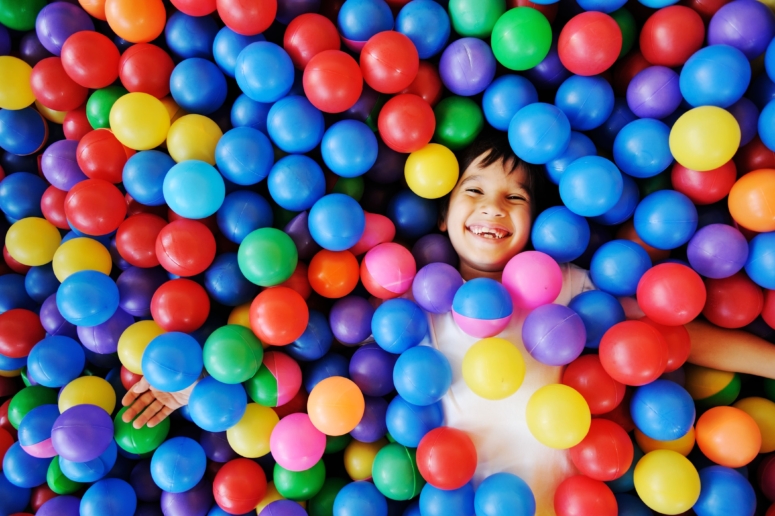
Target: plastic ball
x: 360, y: 20
x: 671, y: 294
x: 194, y: 189
x: 216, y: 406
x: 21, y: 194
x: 657, y: 219
x: 349, y: 148
x: 426, y: 24
x: 146, y: 68
x: 663, y: 410
x: 721, y: 310
x: 307, y: 35
x: 53, y: 88
x: 139, y: 440
x: 539, y: 133
x: 598, y: 311
x: 56, y: 361
x: 35, y: 432
x: 589, y: 43
x: 82, y: 433
x: 581, y: 494
x: 143, y: 176
x: 503, y: 492
x: 332, y: 81
x: 335, y: 406
x: 726, y: 67
x: 95, y: 207
x: 172, y: 361
x: 185, y: 247
x: 667, y: 482
x: 560, y: 233
x: 110, y: 494
x: 139, y: 121
x: 493, y: 368
x: 422, y: 375
x: 521, y: 38
x: 232, y: 354
x: 336, y: 222
x: 586, y: 101
x: 389, y: 62
x: 276, y: 381
x: 631, y: 141
x: 90, y: 471
x: 671, y: 35
x: 32, y: 241
x: 87, y: 298
x: 22, y: 469
x: 100, y: 103
x: 178, y: 464
x: 387, y: 282
x: 482, y: 307
x: 439, y: 450
x: 296, y: 182
x: 759, y: 22
x: 434, y: 287
x: 591, y: 186
x: 432, y: 171
x: 250, y: 437
x: 654, y: 92
x: 267, y: 257
x: 532, y: 278
x: 554, y: 403
x: 704, y: 187
x: 101, y: 156
x: 457, y: 502
x: 633, y: 353
x: 588, y: 376
x: 745, y: 201
x: 697, y: 148
x: 17, y: 93
x: 406, y: 123
x: 715, y: 430
x: 554, y: 334
x: 264, y: 87
x: 244, y: 155
x: 24, y: 132
x: 278, y: 316
x: 295, y: 125
x: 90, y: 59
x: 720, y: 486
x: 617, y: 267
x: 193, y: 137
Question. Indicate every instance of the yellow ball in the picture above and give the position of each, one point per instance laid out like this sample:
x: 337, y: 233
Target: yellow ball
x: 250, y: 436
x: 359, y: 457
x: 432, y: 171
x: 558, y: 416
x: 173, y: 110
x: 32, y: 241
x: 193, y: 137
x: 139, y: 121
x: 11, y: 374
x: 133, y: 342
x: 667, y: 482
x: 58, y: 117
x: 15, y: 89
x: 493, y: 368
x: 88, y: 390
x: 682, y: 445
x: 763, y: 412
x: 703, y: 382
x: 81, y: 254
x: 704, y: 138
x: 240, y: 315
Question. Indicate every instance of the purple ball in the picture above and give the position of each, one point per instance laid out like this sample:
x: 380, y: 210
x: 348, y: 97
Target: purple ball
x: 82, y: 433
x: 53, y: 322
x: 550, y: 72
x: 717, y: 251
x: 136, y: 287
x: 434, y: 248
x: 59, y: 165
x: 747, y: 115
x: 298, y: 230
x: 372, y: 426
x: 103, y: 338
x: 116, y: 257
x: 216, y: 447
x: 554, y: 334
x: 754, y: 17
x: 58, y: 21
x: 467, y: 66
x: 371, y: 368
x: 60, y: 506
x: 194, y: 502
x: 142, y: 482
x: 350, y: 320
x: 654, y: 92
x: 434, y: 287
x: 363, y: 107
x: 31, y: 50
x: 283, y: 508
x: 389, y: 166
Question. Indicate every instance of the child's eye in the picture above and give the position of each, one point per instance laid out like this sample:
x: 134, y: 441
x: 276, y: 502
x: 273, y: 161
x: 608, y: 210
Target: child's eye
x: 516, y: 198
x: 474, y: 190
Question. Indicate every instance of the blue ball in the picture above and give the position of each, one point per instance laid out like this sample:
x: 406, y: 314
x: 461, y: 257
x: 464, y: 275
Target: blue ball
x: 198, y: 86
x: 717, y: 75
x: 264, y: 72
x: 22, y: 131
x: 172, y: 361
x: 413, y: 509
x: 590, y: 186
x: 349, y: 148
x: 87, y: 298
x: 658, y: 4
x: 35, y: 430
x: 296, y: 182
x: 504, y: 494
x: 12, y: 364
x: 624, y: 207
x: 398, y: 324
x: 56, y: 361
x: 665, y: 219
x: 359, y: 20
x: 604, y: 6
x: 246, y: 112
x: 316, y: 340
x: 40, y: 282
x: 144, y: 174
x: 295, y: 125
x: 226, y: 284
x: 244, y: 155
x: 93, y: 470
x: 408, y: 423
x: 539, y: 133
x: 560, y: 233
x: 662, y: 410
x: 178, y: 464
x: 630, y: 505
x: 226, y: 47
x: 760, y: 265
x: 360, y: 499
x: 767, y: 125
x: 482, y: 299
x: 216, y: 406
x: 336, y: 222
x: 13, y: 498
x: 641, y: 148
x: 412, y: 215
x: 22, y: 469
x: 586, y: 101
x: 440, y: 502
x: 111, y: 496
x: 599, y: 311
x: 724, y: 491
x: 422, y: 375
x: 190, y: 36
x: 20, y: 195
x: 331, y: 364
x: 194, y: 189
x: 617, y: 267
x: 580, y: 145
x: 621, y: 115
x: 504, y: 97
x: 241, y: 213
x: 427, y: 24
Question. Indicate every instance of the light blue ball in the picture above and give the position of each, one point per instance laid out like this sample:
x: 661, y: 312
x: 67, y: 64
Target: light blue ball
x: 110, y: 496
x: 178, y: 464
x: 349, y: 148
x: 662, y: 410
x: 624, y: 207
x: 336, y: 222
x: 641, y: 149
x: 599, y: 311
x: 590, y: 186
x: 295, y: 125
x: 504, y: 494
x: 87, y: 298
x: 227, y: 46
x: 560, y: 233
x: 617, y: 267
x: 717, y: 75
x: 408, y: 423
x: 244, y: 155
x: 539, y: 133
x: 665, y: 219
x: 760, y: 265
x: 172, y: 361
x: 767, y: 125
x: 360, y: 499
x: 56, y: 361
x: 580, y: 145
x: 264, y: 72
x: 398, y: 324
x: 359, y: 20
x: 90, y: 471
x: 216, y: 406
x: 426, y: 23
x: 22, y: 469
x: 296, y: 182
x: 504, y: 97
x: 144, y: 174
x: 439, y: 502
x: 194, y: 189
x: 422, y: 375
x: 586, y: 101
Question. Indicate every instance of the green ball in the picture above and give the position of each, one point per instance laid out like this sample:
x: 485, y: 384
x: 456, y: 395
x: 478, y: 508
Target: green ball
x: 26, y: 400
x: 141, y: 441
x: 20, y: 14
x: 100, y: 103
x: 58, y: 482
x: 458, y: 121
x: 649, y: 185
x: 395, y: 472
x: 299, y: 485
x: 335, y: 444
x: 232, y: 354
x: 475, y: 18
x: 322, y: 504
x: 769, y: 389
x: 627, y: 24
x: 352, y: 186
x: 521, y: 38
x: 262, y: 387
x: 267, y: 257
x: 724, y: 397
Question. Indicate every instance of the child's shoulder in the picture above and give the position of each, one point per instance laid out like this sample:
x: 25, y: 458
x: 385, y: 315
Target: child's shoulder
x: 575, y: 280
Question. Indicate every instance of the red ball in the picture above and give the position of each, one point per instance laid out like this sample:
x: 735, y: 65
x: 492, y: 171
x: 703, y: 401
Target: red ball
x: 101, y: 156
x: 136, y: 239
x: 76, y: 124
x: 195, y: 7
x: 582, y: 496
x: 247, y: 18
x: 6, y: 441
x: 308, y: 35
x: 626, y: 69
x: 704, y: 187
x: 332, y: 81
x: 20, y: 330
x: 633, y: 353
x: 389, y: 62
x: 180, y: 305
x: 299, y: 280
x: 446, y: 458
x: 601, y: 392
x: 406, y: 123
x: 297, y: 404
x: 15, y: 266
x: 54, y: 88
x: 768, y: 309
x: 128, y: 378
x: 671, y: 294
x: 733, y: 302
x: 185, y: 247
x: 606, y: 452
x: 146, y: 68
x: 52, y: 204
x: 754, y: 156
x: 41, y: 495
x: 705, y: 8
x: 548, y: 10
x: 427, y: 84
x: 95, y: 207
x: 671, y: 35
x: 679, y: 345
x: 621, y: 414
x: 278, y: 316
x: 239, y: 485
x: 90, y: 59
x: 766, y: 477
x: 589, y: 43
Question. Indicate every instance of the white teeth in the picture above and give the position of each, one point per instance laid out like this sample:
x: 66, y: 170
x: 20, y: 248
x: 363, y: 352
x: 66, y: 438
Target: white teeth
x: 488, y: 232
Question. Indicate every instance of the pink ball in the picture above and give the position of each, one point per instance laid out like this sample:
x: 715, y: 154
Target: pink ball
x: 387, y: 270
x: 379, y: 229
x: 533, y: 279
x: 296, y: 444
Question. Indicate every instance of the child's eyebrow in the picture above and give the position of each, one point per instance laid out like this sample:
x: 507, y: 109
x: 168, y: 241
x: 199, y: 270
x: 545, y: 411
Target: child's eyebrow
x: 476, y: 177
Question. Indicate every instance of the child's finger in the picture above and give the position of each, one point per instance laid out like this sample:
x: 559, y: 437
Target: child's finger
x: 159, y: 417
x: 137, y: 389
x: 137, y: 407
x: 148, y: 413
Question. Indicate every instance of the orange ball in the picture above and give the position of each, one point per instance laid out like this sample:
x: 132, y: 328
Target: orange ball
x: 137, y: 21
x: 728, y: 436
x: 94, y: 7
x: 278, y: 316
x: 335, y: 405
x: 333, y: 274
x: 751, y: 200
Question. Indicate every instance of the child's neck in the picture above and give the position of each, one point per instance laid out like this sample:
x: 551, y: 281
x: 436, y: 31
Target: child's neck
x: 468, y: 273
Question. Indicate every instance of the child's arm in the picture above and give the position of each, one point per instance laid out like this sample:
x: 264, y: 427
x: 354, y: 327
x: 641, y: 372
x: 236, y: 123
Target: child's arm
x: 730, y: 350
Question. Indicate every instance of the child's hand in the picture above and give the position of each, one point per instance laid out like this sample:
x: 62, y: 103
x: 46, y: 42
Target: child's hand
x: 155, y: 405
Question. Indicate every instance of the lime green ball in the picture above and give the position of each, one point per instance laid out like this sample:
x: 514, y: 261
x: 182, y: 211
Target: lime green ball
x: 20, y: 14
x: 395, y: 472
x: 58, y: 482
x: 232, y: 354
x: 267, y: 257
x: 100, y: 103
x: 626, y: 22
x: 141, y: 441
x: 322, y: 504
x: 299, y: 485
x: 26, y: 400
x: 352, y: 186
x: 458, y: 121
x: 769, y: 389
x: 521, y: 38
x: 475, y: 18
x: 262, y: 387
x: 335, y: 444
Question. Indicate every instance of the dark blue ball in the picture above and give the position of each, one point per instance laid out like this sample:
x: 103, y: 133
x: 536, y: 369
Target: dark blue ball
x: 412, y: 215
x: 198, y: 86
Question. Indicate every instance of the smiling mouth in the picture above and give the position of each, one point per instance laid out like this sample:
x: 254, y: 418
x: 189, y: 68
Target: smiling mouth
x: 490, y: 233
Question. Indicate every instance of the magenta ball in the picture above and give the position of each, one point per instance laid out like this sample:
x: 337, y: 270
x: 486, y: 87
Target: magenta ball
x: 296, y: 444
x: 554, y: 335
x: 435, y: 286
x: 533, y: 279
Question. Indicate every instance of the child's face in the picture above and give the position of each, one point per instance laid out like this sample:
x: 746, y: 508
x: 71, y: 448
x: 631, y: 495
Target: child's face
x: 489, y: 217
